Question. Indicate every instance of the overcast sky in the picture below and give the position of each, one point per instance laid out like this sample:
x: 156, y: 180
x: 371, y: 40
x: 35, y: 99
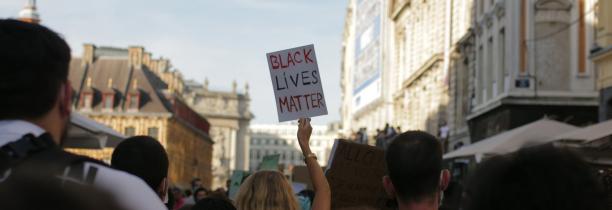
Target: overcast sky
x: 223, y: 40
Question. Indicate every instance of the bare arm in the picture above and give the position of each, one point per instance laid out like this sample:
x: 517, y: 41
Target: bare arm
x: 322, y: 199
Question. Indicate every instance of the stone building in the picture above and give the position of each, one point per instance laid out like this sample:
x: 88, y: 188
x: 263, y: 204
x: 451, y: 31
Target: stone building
x: 366, y: 88
x: 135, y: 94
x: 416, y: 48
x: 462, y: 61
x: 281, y: 139
x: 531, y: 61
x: 602, y: 56
x: 229, y: 115
x: 425, y: 34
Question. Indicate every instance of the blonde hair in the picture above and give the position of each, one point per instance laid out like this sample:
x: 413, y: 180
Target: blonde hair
x: 266, y: 190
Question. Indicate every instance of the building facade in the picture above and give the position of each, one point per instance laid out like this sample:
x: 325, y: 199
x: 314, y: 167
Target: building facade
x: 229, y: 115
x: 135, y: 94
x: 531, y: 61
x: 425, y: 34
x: 281, y: 139
x: 467, y: 70
x: 417, y: 55
x: 365, y: 81
x: 602, y: 56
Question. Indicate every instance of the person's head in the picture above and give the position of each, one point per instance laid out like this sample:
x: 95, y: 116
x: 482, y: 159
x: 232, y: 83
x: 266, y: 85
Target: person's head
x: 200, y: 194
x: 144, y: 157
x: 196, y: 183
x: 34, y: 76
x: 266, y: 190
x: 541, y: 177
x: 414, y: 163
x: 216, y: 203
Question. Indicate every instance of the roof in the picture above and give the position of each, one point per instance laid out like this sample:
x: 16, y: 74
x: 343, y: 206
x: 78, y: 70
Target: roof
x: 535, y: 133
x: 111, y: 73
x: 118, y: 74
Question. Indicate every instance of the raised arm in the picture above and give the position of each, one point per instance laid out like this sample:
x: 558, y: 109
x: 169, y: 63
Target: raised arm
x: 322, y: 199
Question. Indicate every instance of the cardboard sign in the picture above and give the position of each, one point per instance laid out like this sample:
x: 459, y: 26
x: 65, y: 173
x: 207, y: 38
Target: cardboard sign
x: 302, y: 175
x: 297, y: 83
x: 355, y: 174
x: 269, y: 163
x: 235, y: 182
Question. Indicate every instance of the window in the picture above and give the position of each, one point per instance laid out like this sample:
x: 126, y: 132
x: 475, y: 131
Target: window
x: 503, y: 77
x: 87, y: 100
x: 108, y: 101
x: 133, y: 101
x: 492, y: 88
x: 153, y: 132
x: 129, y: 131
x: 480, y: 71
x: 258, y: 154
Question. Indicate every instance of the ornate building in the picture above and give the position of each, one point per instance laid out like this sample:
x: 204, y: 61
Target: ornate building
x: 411, y: 49
x: 428, y: 66
x: 602, y: 56
x: 531, y: 61
x: 135, y: 94
x: 229, y: 115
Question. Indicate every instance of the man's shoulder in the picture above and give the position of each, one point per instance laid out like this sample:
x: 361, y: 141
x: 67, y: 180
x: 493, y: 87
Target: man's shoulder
x: 131, y: 191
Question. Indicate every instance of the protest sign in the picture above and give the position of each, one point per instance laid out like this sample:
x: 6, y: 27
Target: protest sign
x: 302, y: 175
x: 297, y: 83
x: 269, y: 162
x: 235, y: 182
x: 355, y: 174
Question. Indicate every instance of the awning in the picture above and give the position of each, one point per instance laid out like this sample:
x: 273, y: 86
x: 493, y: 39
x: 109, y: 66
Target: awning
x: 89, y: 134
x: 590, y: 133
x: 535, y: 133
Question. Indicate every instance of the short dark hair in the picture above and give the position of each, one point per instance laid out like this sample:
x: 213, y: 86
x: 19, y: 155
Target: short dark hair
x: 213, y: 203
x: 414, y: 162
x: 35, y: 62
x: 196, y: 191
x: 144, y: 157
x: 541, y: 177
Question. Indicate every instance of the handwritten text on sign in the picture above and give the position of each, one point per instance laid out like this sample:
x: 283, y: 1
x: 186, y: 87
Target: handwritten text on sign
x: 297, y: 83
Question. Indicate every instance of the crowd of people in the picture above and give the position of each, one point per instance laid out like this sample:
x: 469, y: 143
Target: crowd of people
x: 36, y: 173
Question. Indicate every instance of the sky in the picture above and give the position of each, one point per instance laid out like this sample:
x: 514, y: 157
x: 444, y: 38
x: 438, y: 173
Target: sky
x: 222, y: 40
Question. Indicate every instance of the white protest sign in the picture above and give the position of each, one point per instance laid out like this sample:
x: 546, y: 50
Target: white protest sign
x: 297, y: 83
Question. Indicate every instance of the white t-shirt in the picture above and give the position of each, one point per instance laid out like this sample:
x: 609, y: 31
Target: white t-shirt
x: 130, y: 191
